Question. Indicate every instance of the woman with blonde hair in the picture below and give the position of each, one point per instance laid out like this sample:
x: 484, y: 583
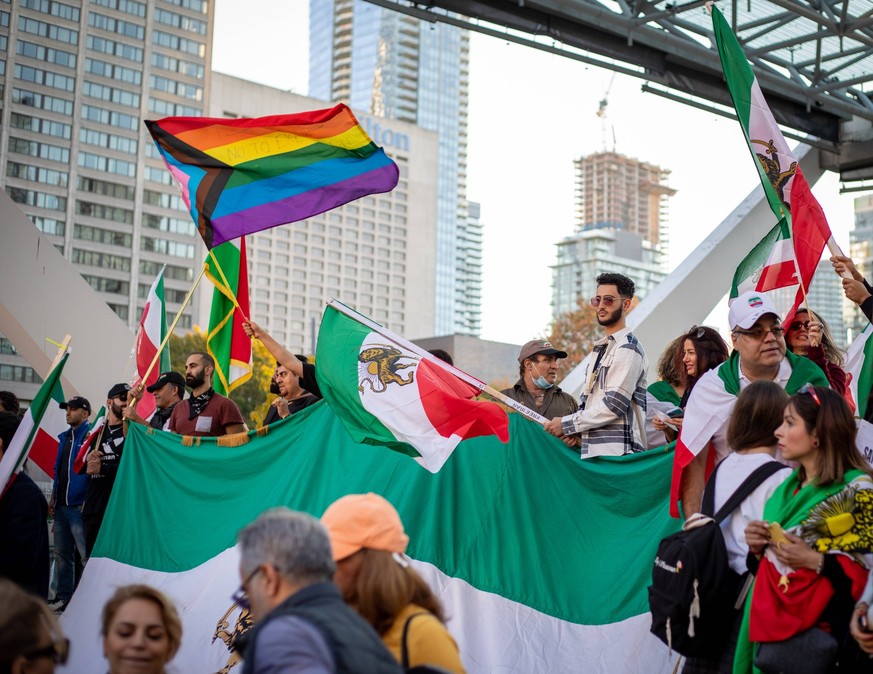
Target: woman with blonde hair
x: 376, y: 579
x: 141, y: 630
x: 30, y: 639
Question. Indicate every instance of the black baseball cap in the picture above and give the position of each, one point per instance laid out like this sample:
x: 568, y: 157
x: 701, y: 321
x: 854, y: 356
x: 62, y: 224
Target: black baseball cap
x: 167, y: 378
x: 76, y: 403
x: 118, y: 390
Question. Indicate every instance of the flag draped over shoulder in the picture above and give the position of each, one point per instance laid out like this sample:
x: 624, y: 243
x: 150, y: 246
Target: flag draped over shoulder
x: 240, y: 176
x: 795, y: 244
x: 152, y: 330
x: 387, y: 394
x: 226, y: 341
x: 37, y: 434
x: 541, y: 561
x: 710, y: 405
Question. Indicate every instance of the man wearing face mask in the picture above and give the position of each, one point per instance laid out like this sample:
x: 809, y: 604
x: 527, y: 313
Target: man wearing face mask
x: 538, y: 371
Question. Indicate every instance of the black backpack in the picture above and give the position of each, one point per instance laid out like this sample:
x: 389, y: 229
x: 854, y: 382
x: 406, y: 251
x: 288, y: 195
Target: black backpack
x: 694, y: 591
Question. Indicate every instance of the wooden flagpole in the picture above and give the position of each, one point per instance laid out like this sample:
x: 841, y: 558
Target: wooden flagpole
x: 224, y: 280
x: 173, y: 326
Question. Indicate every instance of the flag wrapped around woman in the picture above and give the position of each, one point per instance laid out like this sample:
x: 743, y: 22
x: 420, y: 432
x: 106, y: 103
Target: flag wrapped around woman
x: 815, y: 541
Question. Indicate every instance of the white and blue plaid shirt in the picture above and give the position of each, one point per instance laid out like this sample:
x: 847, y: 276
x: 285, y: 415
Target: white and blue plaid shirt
x: 611, y: 418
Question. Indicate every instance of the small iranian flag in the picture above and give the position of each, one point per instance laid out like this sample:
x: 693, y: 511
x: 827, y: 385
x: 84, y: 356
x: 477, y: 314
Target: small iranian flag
x: 388, y: 392
x: 787, y: 256
x: 151, y: 334
x: 91, y: 440
x: 37, y: 434
x: 859, y: 367
x: 226, y: 341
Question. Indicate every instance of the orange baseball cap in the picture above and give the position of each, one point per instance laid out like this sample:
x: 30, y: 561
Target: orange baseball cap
x: 359, y: 521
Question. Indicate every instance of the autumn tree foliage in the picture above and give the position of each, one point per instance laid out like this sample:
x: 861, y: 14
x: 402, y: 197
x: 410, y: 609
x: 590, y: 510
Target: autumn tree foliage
x: 574, y: 332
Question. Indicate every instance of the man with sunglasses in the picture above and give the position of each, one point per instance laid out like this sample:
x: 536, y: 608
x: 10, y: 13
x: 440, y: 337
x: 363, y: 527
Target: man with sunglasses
x: 612, y: 415
x: 759, y: 354
x: 101, y: 464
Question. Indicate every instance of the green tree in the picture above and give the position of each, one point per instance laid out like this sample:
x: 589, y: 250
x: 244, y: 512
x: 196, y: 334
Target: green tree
x: 252, y: 398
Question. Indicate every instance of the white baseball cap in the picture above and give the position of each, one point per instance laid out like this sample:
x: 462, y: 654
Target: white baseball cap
x: 746, y: 309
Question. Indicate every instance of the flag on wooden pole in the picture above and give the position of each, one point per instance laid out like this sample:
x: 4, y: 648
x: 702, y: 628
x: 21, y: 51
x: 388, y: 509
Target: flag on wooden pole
x: 226, y: 341
x: 43, y: 421
x: 149, y: 337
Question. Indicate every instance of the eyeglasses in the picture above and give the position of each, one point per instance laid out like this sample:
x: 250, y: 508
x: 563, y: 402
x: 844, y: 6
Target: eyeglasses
x: 810, y: 389
x: 58, y: 651
x: 759, y: 333
x: 606, y: 300
x: 797, y: 325
x: 697, y: 335
x: 241, y: 597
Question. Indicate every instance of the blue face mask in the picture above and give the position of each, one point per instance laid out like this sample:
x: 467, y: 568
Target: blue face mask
x: 540, y: 382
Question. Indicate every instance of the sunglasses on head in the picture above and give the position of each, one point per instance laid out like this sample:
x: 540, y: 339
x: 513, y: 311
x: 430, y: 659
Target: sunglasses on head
x: 700, y: 332
x: 809, y: 389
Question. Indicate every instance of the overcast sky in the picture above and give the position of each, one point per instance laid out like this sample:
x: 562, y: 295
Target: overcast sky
x: 531, y: 115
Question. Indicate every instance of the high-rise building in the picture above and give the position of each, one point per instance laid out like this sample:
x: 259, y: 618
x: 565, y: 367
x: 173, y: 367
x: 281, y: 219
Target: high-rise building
x: 78, y: 79
x: 861, y: 252
x: 618, y: 192
x: 621, y: 226
x: 374, y: 254
x: 590, y: 252
x: 394, y: 66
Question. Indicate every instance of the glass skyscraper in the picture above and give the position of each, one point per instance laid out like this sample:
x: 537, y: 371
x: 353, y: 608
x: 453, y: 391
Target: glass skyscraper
x: 395, y: 66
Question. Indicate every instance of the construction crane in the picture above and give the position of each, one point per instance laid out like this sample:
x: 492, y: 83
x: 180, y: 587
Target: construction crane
x: 601, y: 112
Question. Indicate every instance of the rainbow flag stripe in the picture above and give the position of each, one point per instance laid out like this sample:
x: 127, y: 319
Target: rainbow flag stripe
x: 240, y: 176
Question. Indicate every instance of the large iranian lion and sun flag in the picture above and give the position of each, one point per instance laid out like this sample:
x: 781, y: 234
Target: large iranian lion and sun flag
x: 541, y: 561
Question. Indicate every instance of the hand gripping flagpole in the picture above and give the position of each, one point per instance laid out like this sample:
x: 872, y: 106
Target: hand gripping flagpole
x: 166, y: 339
x: 422, y: 353
x: 230, y: 293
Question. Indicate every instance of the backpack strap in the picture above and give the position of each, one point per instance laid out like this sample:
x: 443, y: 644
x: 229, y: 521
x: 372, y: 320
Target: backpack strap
x: 749, y: 485
x: 404, y: 651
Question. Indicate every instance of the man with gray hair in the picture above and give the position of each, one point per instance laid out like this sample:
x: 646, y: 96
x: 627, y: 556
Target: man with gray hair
x: 303, y: 625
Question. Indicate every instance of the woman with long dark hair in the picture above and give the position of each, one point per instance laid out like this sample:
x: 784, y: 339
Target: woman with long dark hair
x: 809, y: 336
x: 813, y: 544
x: 702, y: 350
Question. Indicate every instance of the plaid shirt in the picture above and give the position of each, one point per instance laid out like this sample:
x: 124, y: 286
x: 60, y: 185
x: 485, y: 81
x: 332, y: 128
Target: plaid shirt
x: 611, y: 418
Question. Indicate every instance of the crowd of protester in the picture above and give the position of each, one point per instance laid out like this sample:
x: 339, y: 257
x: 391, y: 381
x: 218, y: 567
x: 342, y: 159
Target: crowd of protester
x: 340, y: 594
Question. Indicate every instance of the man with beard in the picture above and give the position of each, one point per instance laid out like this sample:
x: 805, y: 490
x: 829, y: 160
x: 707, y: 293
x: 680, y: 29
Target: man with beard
x: 205, y: 413
x: 292, y: 398
x: 101, y: 464
x: 612, y: 415
x: 168, y: 390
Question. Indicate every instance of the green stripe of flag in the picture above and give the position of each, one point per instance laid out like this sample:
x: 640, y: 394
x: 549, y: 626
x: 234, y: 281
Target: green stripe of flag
x: 527, y: 520
x: 280, y: 164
